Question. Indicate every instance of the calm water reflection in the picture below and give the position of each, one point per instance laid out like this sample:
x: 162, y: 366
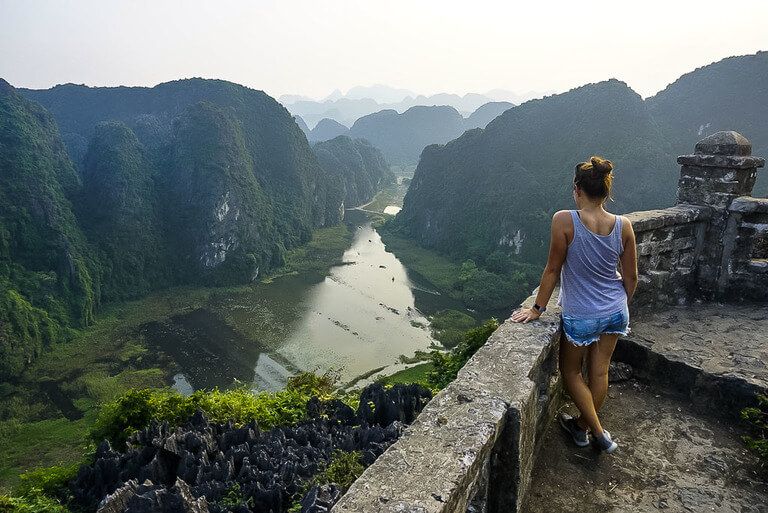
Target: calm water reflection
x: 360, y: 317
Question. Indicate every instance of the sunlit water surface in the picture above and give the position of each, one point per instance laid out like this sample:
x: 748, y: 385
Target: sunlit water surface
x: 361, y: 317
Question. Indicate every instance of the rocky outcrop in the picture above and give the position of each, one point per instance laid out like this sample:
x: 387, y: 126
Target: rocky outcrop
x: 192, y: 468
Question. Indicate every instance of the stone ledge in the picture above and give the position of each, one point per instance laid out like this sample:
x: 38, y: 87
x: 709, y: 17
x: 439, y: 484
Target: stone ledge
x: 438, y: 464
x: 748, y: 204
x: 712, y: 352
x: 680, y: 214
x: 723, y: 161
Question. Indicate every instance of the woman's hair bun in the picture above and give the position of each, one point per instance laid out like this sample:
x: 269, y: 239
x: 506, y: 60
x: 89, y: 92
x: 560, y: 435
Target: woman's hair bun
x: 601, y: 165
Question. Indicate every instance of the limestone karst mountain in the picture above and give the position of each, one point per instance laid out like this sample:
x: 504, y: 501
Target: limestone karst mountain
x: 361, y: 168
x: 48, y: 276
x: 402, y: 137
x: 521, y: 167
x: 486, y: 113
x: 193, y: 181
x: 362, y: 101
x: 727, y: 95
x: 327, y: 129
x: 302, y: 124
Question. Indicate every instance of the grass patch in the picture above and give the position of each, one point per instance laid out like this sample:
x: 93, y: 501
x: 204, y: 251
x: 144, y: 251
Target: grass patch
x: 416, y: 374
x: 449, y: 326
x: 391, y: 195
x: 441, y: 272
x: 322, y: 252
x: 28, y: 445
x: 362, y: 376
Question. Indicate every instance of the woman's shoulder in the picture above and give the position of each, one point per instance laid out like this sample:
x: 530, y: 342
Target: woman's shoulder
x: 563, y: 220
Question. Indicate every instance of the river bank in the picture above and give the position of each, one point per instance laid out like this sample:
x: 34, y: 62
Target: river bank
x: 342, y: 302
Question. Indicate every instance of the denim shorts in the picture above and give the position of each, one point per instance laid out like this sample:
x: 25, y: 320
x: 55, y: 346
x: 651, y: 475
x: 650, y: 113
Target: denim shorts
x: 582, y: 331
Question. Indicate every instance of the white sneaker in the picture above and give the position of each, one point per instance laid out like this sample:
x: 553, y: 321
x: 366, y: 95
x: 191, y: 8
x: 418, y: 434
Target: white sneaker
x: 605, y: 443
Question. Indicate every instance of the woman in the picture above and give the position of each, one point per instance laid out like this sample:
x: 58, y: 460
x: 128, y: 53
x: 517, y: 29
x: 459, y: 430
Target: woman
x: 587, y: 245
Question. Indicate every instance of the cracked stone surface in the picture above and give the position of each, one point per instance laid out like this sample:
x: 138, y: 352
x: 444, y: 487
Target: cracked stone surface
x: 669, y: 459
x: 720, y: 339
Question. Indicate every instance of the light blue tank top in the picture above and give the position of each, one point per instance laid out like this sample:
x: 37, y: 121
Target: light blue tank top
x: 590, y: 283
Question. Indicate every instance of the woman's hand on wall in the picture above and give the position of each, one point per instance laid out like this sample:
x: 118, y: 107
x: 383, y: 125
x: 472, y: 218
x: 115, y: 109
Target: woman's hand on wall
x: 525, y: 315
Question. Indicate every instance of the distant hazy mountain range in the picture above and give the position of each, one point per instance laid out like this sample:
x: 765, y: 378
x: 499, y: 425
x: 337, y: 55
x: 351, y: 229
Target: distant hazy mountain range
x: 360, y: 101
x: 489, y: 195
x: 402, y: 136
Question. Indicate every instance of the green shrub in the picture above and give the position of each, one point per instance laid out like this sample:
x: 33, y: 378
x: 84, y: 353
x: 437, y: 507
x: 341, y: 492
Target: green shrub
x: 343, y: 469
x: 33, y: 502
x: 135, y: 409
x: 447, y: 365
x: 448, y: 326
x: 51, y: 481
x: 233, y: 497
x: 757, y: 419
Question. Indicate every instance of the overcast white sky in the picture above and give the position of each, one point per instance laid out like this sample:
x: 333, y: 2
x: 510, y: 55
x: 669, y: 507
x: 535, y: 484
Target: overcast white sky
x: 311, y: 47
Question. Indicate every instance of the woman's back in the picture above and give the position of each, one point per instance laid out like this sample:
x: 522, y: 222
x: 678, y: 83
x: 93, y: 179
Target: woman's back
x: 590, y: 284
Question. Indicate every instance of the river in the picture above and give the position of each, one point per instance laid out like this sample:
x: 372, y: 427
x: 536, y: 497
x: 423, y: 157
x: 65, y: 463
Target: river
x: 362, y: 316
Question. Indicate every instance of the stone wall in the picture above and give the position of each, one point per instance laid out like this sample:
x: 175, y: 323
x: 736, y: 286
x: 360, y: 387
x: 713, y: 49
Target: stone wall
x: 745, y: 259
x: 473, y: 447
x: 669, y: 244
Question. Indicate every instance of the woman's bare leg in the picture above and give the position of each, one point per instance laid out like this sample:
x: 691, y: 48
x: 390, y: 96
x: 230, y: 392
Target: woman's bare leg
x: 571, y: 357
x: 599, y: 358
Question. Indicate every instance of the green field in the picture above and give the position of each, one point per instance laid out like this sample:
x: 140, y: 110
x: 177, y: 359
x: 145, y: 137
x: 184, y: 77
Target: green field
x: 104, y: 360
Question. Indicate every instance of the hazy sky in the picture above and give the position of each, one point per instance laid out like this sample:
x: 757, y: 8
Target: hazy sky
x: 312, y: 47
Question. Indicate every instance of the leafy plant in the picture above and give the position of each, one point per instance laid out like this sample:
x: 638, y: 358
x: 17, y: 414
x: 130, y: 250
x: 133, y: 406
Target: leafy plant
x: 135, y: 409
x: 343, y: 470
x: 34, y: 501
x: 447, y: 365
x: 757, y: 419
x: 51, y: 481
x: 232, y: 497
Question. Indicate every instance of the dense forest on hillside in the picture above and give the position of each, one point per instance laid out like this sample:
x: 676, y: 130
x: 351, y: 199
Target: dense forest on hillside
x: 48, y: 277
x: 521, y: 165
x: 727, y: 95
x: 360, y: 167
x: 189, y: 182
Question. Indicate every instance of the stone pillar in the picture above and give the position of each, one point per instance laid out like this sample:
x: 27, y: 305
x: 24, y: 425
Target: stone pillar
x: 721, y: 169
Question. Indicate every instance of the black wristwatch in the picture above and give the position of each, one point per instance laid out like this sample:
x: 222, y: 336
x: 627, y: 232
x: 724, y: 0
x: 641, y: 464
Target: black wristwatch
x: 540, y: 309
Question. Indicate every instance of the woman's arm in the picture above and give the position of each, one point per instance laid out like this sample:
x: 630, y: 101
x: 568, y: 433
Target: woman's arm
x: 558, y: 248
x: 628, y: 258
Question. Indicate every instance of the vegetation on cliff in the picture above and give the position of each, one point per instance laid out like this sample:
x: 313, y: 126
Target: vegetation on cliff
x: 118, y: 210
x: 48, y: 277
x: 520, y: 176
x: 725, y: 95
x: 190, y: 182
x: 756, y: 418
x: 360, y: 168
